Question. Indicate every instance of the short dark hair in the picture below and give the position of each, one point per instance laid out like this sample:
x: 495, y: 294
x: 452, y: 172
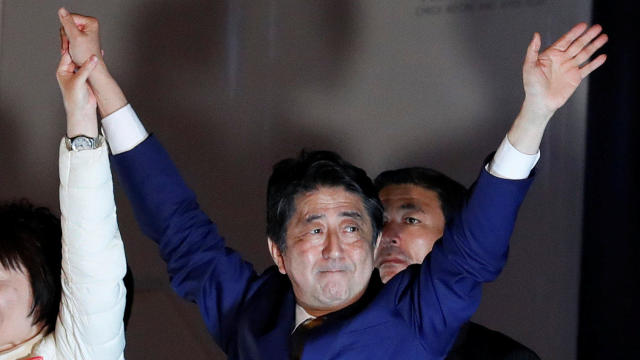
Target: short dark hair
x: 309, y: 171
x: 31, y: 241
x: 451, y: 193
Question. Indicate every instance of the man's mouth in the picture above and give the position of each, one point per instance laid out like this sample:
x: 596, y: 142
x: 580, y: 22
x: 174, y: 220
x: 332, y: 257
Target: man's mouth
x: 391, y: 256
x: 392, y: 260
x: 332, y: 269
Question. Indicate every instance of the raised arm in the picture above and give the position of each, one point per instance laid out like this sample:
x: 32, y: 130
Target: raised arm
x: 90, y: 322
x: 201, y: 268
x: 475, y: 244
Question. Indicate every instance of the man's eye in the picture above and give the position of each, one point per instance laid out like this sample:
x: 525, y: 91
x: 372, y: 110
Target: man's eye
x: 411, y: 220
x: 316, y: 231
x: 351, y: 228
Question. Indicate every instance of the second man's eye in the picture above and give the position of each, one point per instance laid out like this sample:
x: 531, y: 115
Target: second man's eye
x: 315, y: 231
x: 411, y: 220
x: 351, y: 228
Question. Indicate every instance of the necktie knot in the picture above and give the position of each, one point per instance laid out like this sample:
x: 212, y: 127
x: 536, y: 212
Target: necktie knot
x: 301, y: 334
x: 311, y: 323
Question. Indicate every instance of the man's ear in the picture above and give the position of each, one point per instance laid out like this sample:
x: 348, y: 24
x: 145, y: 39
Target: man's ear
x: 276, y: 255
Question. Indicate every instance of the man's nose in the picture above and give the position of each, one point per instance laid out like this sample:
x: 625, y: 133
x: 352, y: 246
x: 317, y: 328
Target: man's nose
x: 333, y: 246
x: 391, y: 234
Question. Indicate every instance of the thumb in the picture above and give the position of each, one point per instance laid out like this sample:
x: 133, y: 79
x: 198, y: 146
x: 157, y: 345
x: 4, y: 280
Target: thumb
x: 532, y: 50
x: 67, y: 22
x: 83, y: 73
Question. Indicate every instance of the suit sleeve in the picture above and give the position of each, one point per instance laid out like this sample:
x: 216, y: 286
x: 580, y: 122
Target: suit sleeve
x: 201, y: 268
x: 89, y: 324
x: 437, y: 297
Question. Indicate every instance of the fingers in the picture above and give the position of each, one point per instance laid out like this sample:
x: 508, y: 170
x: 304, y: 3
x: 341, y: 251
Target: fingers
x: 578, y: 45
x: 565, y: 41
x: 84, y: 22
x: 594, y: 64
x: 74, y: 24
x: 83, y: 73
x: 584, y: 40
x: 67, y: 22
x: 532, y: 50
x: 64, y: 41
x: 65, y: 66
x: 586, y: 53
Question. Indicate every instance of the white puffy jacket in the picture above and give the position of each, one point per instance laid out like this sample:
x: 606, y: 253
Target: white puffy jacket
x: 89, y: 325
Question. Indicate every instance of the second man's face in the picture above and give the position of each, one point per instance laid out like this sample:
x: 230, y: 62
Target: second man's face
x: 413, y: 222
x: 329, y: 254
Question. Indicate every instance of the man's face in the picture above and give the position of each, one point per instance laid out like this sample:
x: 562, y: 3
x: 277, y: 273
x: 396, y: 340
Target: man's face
x: 16, y: 299
x: 329, y: 253
x: 413, y: 222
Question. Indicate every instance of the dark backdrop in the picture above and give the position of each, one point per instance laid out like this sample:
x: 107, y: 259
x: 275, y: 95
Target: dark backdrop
x: 609, y: 285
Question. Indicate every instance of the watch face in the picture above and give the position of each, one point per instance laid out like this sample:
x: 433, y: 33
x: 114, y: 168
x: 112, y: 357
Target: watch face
x: 81, y: 143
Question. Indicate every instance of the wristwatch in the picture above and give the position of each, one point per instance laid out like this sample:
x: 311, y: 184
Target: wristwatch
x: 81, y: 142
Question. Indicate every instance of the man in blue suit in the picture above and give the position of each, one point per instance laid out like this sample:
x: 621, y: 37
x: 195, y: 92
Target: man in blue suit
x: 323, y: 299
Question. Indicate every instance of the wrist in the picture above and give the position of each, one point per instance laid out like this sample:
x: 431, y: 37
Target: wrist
x: 528, y: 128
x: 536, y: 113
x: 529, y: 124
x: 86, y: 125
x: 100, y: 73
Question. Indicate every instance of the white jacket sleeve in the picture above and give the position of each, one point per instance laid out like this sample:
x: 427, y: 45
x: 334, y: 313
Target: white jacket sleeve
x: 90, y: 324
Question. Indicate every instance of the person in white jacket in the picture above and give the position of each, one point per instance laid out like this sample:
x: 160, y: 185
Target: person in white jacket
x: 64, y: 298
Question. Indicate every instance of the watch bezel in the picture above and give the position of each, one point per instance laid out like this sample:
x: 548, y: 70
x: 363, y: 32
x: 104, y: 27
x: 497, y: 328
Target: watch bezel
x: 83, y: 142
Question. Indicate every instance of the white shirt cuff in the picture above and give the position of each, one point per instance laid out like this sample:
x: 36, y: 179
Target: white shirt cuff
x: 123, y: 130
x: 509, y: 163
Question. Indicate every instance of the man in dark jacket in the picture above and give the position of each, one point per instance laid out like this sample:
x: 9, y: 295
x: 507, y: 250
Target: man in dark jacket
x: 418, y: 202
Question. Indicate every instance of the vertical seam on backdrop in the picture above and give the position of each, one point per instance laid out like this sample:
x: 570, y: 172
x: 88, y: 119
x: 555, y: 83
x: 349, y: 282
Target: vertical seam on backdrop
x: 1, y: 44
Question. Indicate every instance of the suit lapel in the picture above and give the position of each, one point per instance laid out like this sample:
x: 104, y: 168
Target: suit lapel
x: 271, y: 318
x: 274, y: 342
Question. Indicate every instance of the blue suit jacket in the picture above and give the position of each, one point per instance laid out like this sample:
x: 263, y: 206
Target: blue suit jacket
x: 415, y: 316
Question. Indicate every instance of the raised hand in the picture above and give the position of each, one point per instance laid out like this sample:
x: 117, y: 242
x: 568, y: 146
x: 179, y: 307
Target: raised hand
x: 551, y: 77
x: 79, y: 100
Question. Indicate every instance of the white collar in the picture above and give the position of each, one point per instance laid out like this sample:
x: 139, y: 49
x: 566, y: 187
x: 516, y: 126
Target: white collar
x: 301, y: 316
x: 23, y: 350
